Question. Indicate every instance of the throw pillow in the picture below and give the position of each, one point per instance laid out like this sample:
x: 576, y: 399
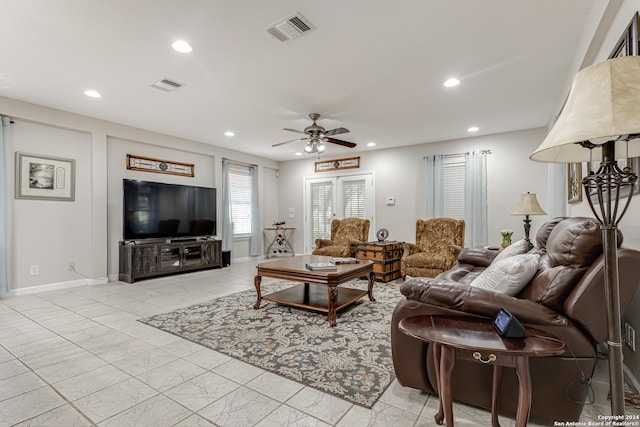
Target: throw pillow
x: 517, y: 248
x: 509, y: 275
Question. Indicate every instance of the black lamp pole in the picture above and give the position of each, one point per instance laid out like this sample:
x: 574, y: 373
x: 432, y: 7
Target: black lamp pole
x: 608, y: 183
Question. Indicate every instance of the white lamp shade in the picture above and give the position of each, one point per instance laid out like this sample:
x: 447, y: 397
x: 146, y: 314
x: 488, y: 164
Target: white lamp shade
x: 528, y: 205
x: 604, y: 103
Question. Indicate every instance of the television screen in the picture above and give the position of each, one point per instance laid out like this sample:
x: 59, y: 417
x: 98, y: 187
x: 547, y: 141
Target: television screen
x: 155, y: 210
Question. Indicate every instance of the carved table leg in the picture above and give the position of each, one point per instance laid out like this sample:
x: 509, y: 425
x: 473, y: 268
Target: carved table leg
x: 447, y: 360
x: 524, y: 397
x: 256, y: 282
x: 497, y: 378
x: 372, y: 279
x: 439, y: 417
x: 333, y: 296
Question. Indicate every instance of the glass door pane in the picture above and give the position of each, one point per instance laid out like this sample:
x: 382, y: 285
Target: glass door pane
x: 320, y: 201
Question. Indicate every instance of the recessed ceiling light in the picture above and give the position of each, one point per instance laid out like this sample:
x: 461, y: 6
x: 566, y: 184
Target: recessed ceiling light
x: 298, y: 153
x: 473, y: 129
x: 371, y: 144
x: 229, y: 133
x: 182, y: 46
x: 92, y: 93
x: 452, y: 82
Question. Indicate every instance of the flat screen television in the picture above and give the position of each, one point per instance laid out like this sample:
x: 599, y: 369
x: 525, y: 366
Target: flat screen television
x: 154, y: 210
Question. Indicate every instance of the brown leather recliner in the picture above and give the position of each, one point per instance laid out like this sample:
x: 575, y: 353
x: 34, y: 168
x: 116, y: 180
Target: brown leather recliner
x: 566, y: 298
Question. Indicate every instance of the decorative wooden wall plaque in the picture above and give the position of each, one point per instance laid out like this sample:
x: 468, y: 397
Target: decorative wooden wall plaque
x: 147, y: 164
x: 337, y: 164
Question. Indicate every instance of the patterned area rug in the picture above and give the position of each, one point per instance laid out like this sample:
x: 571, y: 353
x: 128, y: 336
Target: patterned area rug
x: 351, y: 361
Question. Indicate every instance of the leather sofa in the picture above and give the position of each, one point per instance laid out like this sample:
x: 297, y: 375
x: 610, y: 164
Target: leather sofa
x: 566, y: 298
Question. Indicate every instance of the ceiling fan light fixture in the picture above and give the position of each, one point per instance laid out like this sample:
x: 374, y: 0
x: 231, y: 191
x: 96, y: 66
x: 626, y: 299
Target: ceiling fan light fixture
x: 321, y: 148
x: 309, y: 148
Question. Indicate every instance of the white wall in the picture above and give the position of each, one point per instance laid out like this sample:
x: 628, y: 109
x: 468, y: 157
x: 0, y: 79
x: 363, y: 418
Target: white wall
x: 400, y: 172
x: 49, y: 234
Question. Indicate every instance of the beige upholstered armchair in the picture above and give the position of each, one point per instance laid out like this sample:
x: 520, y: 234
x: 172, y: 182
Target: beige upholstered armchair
x: 438, y: 243
x: 344, y: 233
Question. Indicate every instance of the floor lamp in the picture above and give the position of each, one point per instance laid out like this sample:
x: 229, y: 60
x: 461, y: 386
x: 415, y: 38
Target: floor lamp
x: 601, y: 121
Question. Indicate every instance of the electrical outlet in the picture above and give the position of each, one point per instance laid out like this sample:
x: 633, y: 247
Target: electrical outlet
x: 625, y: 333
x: 72, y: 266
x: 34, y: 270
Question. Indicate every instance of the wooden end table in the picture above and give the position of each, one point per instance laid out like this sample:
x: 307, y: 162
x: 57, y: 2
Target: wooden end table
x: 476, y: 339
x: 316, y: 299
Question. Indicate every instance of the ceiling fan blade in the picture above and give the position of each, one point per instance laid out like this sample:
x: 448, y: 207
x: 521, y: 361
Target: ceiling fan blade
x: 294, y: 130
x: 286, y: 142
x: 341, y: 142
x: 336, y: 131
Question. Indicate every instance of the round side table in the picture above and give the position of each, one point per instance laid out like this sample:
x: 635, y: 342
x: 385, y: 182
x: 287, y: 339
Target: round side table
x: 477, y: 340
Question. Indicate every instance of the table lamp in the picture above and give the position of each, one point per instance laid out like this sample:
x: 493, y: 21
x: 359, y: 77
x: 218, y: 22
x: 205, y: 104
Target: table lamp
x: 601, y: 121
x: 528, y: 205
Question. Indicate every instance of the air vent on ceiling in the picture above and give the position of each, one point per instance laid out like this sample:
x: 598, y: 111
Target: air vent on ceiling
x: 167, y: 85
x: 290, y: 27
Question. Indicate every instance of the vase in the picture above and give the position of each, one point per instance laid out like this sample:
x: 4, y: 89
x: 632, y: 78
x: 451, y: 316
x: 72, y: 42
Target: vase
x: 504, y: 245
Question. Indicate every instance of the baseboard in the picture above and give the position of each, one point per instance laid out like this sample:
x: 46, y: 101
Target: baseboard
x: 247, y: 258
x: 55, y: 286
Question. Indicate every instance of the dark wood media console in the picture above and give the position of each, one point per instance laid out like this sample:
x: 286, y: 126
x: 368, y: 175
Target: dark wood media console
x: 146, y: 260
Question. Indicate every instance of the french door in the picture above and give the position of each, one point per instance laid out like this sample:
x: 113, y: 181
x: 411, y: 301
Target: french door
x: 335, y: 197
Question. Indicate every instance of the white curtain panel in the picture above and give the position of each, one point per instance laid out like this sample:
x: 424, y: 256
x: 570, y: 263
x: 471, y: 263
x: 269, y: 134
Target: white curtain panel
x: 5, y: 203
x: 256, y: 232
x: 475, y: 200
x: 227, y: 222
x: 557, y: 189
x: 434, y: 185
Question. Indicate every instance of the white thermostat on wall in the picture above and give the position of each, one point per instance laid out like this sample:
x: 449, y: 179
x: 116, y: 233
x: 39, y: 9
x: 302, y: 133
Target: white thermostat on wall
x: 391, y: 201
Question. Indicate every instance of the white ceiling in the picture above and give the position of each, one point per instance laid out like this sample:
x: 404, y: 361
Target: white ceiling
x: 375, y: 67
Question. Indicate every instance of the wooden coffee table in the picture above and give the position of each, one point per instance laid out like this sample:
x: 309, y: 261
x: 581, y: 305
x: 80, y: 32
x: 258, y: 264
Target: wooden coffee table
x: 475, y: 339
x: 315, y: 298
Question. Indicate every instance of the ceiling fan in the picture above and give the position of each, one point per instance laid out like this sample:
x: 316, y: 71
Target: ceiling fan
x: 317, y: 136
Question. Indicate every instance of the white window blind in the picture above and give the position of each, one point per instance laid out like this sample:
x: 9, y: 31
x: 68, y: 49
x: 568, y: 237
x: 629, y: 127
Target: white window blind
x: 321, y: 210
x: 240, y: 198
x: 354, y: 198
x: 453, y: 178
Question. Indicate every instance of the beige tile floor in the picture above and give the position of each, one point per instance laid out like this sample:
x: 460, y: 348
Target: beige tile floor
x: 78, y: 357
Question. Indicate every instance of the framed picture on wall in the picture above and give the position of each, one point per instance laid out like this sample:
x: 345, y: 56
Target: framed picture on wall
x: 45, y: 177
x: 627, y: 45
x: 574, y: 182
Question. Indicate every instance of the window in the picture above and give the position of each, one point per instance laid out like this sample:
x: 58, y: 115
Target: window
x: 240, y: 193
x: 335, y: 197
x: 321, y: 194
x: 354, y: 199
x: 457, y: 188
x: 453, y: 178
